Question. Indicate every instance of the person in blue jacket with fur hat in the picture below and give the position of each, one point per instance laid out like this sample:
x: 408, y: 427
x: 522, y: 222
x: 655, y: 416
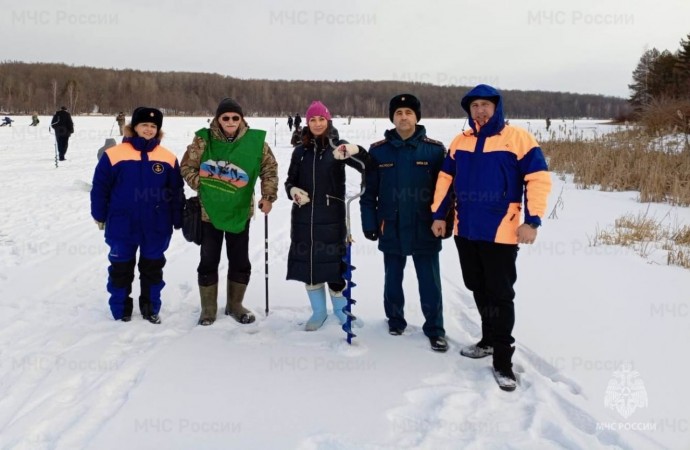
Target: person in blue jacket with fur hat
x: 137, y: 198
x: 396, y: 211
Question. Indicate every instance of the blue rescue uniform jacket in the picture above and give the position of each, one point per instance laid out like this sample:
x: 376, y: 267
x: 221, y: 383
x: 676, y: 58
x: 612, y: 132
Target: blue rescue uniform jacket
x: 399, y: 192
x: 138, y: 192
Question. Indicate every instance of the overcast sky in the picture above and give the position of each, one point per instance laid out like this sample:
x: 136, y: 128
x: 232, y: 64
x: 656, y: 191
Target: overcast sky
x: 585, y: 46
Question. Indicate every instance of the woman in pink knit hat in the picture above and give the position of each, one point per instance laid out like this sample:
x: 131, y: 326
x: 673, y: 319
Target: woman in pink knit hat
x: 316, y: 185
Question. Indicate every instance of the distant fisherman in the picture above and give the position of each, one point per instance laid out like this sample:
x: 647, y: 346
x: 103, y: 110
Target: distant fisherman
x: 64, y: 127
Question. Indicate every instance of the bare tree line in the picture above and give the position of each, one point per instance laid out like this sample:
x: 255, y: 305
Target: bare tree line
x: 44, y: 87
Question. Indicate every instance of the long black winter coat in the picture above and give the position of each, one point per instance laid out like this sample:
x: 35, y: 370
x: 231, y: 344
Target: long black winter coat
x: 318, y: 228
x: 62, y: 123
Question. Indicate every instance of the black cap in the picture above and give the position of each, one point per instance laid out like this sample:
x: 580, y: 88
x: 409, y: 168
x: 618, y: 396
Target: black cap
x: 228, y: 105
x: 405, y: 101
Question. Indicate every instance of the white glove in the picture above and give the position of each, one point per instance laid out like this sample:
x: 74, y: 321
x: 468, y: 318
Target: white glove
x: 101, y: 225
x: 344, y: 151
x: 299, y: 196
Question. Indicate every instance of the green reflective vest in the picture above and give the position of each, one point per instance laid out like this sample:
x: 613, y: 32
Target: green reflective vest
x: 227, y: 176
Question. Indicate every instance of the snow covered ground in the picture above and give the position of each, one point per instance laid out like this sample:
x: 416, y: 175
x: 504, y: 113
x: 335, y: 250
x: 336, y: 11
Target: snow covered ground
x: 596, y: 326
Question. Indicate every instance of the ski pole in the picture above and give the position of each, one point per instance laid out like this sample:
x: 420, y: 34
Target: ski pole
x: 113, y: 126
x: 266, y: 257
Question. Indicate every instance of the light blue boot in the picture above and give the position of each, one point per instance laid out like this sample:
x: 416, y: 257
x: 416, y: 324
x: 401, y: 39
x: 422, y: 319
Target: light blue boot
x: 339, y: 302
x: 317, y: 297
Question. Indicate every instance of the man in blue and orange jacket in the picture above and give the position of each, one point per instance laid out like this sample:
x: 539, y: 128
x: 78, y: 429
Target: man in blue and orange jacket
x: 494, y: 169
x: 138, y: 197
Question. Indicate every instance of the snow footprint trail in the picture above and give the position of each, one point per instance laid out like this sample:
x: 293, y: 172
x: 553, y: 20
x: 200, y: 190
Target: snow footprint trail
x: 241, y: 371
x: 66, y: 388
x: 72, y: 366
x: 463, y: 408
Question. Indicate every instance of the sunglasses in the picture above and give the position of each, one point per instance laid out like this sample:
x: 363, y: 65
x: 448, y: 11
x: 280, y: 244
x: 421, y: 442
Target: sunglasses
x: 229, y: 118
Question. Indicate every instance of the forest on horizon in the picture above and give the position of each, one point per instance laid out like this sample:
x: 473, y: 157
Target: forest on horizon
x: 44, y: 87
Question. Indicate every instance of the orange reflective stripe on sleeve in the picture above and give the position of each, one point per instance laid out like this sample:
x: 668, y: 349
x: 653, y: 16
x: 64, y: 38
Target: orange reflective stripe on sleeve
x: 443, y: 183
x: 538, y: 188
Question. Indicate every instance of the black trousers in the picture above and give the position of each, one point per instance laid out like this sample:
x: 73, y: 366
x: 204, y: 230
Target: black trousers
x: 62, y: 143
x: 237, y: 249
x: 488, y: 270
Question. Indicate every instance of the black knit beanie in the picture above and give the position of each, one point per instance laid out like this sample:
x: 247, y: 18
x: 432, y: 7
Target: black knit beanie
x: 228, y: 105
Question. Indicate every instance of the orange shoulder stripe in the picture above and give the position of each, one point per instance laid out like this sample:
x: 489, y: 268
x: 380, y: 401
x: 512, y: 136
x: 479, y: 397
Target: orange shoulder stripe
x: 122, y: 152
x: 162, y: 154
x: 512, y: 139
x: 125, y: 152
x: 457, y: 144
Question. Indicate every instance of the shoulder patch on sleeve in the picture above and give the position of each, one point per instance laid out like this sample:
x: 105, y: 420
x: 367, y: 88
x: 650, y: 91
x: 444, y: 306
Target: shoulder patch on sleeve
x: 433, y: 141
x: 376, y: 144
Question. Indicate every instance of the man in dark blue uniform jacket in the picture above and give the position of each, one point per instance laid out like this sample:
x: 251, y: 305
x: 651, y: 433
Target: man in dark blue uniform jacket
x: 396, y: 210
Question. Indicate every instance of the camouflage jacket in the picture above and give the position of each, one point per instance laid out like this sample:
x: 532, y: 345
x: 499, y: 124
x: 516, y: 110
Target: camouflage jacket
x: 191, y: 161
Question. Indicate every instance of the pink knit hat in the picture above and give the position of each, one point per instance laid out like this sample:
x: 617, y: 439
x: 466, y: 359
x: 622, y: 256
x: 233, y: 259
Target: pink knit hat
x: 318, y: 109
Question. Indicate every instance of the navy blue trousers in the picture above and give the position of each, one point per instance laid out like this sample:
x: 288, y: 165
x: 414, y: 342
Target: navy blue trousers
x: 429, y: 279
x: 122, y: 258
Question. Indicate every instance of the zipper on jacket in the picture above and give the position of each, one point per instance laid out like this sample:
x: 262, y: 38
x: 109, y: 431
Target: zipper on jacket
x: 329, y: 197
x: 144, y: 161
x: 311, y: 222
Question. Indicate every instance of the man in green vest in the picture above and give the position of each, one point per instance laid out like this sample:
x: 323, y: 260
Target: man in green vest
x: 223, y: 164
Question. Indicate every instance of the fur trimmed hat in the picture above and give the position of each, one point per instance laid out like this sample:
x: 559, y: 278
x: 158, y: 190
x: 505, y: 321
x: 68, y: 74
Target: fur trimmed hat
x: 144, y: 114
x: 318, y: 109
x: 228, y: 105
x: 405, y: 101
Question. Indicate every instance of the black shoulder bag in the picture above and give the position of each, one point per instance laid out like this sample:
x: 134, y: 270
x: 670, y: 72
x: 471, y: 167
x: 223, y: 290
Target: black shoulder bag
x: 191, y: 220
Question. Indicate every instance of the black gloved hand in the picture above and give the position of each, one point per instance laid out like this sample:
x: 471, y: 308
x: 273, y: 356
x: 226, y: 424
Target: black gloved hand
x: 371, y: 235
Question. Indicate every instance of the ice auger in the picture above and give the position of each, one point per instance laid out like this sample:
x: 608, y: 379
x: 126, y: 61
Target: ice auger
x: 347, y: 275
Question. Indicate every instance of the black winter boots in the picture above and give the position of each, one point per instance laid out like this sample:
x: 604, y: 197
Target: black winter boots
x: 503, y: 367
